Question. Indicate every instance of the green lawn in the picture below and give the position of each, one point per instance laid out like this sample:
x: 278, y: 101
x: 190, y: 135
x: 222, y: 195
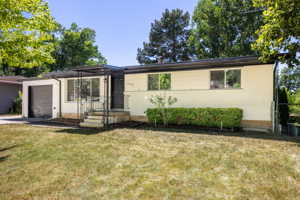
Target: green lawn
x: 48, y: 163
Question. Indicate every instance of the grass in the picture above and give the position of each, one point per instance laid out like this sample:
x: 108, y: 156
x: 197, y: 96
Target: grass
x: 49, y: 163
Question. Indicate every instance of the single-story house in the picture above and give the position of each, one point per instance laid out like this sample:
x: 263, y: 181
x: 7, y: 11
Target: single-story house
x: 10, y: 86
x: 240, y: 82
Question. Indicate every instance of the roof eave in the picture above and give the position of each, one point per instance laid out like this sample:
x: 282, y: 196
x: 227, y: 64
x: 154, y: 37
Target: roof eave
x: 210, y: 64
x: 11, y: 82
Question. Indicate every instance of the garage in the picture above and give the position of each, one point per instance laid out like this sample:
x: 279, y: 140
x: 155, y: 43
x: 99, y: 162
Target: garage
x: 40, y: 101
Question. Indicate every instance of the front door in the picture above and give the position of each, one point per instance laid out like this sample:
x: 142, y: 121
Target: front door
x: 117, y: 92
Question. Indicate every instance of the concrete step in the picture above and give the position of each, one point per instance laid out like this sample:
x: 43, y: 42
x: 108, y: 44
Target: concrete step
x: 114, y: 113
x: 91, y: 125
x: 95, y: 117
x: 94, y: 120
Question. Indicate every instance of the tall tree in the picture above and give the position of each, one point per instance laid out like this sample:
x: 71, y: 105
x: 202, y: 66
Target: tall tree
x: 283, y: 106
x: 75, y: 46
x: 168, y: 39
x: 281, y: 30
x: 290, y: 78
x: 224, y: 28
x: 24, y: 33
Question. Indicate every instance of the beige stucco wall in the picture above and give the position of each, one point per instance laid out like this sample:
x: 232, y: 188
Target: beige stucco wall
x: 71, y: 107
x: 55, y: 95
x: 66, y: 106
x: 192, y: 89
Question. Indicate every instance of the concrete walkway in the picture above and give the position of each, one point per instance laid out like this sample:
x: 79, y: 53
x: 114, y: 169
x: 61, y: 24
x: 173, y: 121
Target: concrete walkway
x: 16, y: 119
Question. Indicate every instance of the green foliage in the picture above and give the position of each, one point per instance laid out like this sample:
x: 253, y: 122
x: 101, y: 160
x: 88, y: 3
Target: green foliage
x: 25, y: 27
x: 283, y: 106
x: 162, y: 102
x: 206, y: 117
x: 72, y: 47
x: 281, y: 30
x: 290, y: 78
x: 17, y: 105
x: 165, y: 81
x: 76, y: 46
x: 224, y: 28
x: 168, y: 39
x: 159, y: 81
x: 294, y: 101
x: 297, y: 97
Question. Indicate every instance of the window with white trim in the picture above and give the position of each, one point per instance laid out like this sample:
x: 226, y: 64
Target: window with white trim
x: 90, y: 89
x: 221, y: 79
x: 159, y: 81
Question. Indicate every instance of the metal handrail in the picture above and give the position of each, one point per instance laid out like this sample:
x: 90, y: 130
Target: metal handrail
x: 93, y: 104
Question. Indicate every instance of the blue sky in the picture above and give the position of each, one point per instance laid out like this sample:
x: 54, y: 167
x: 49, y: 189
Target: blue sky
x: 121, y: 26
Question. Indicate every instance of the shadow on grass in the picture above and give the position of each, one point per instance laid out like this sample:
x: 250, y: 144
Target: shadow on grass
x: 242, y: 134
x: 3, y: 158
x: 82, y: 131
x: 8, y: 148
x: 178, y: 129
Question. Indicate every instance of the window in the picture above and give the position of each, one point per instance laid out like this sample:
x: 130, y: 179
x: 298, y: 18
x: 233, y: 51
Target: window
x: 95, y: 87
x: 225, y: 79
x: 217, y: 79
x: 89, y: 88
x: 85, y: 88
x: 233, y: 79
x: 159, y: 81
x: 153, y: 82
x: 71, y: 93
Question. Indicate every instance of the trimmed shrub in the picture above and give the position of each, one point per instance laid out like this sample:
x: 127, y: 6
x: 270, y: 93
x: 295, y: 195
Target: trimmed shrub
x: 205, y: 117
x: 16, y: 107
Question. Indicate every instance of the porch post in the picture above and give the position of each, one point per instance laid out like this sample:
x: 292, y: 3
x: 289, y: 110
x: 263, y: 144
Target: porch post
x: 79, y: 94
x: 107, y: 101
x: 78, y: 117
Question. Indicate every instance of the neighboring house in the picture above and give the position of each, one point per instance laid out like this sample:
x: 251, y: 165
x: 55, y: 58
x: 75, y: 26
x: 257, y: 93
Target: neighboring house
x: 9, y: 90
x: 242, y: 82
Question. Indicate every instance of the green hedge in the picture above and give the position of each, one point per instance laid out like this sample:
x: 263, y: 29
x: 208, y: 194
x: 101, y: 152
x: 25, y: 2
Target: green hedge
x: 206, y: 117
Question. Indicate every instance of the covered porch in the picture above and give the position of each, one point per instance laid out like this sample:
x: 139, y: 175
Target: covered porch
x: 108, y: 104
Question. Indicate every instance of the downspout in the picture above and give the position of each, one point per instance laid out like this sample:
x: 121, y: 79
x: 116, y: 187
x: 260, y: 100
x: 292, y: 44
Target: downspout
x: 275, y: 98
x: 59, y: 111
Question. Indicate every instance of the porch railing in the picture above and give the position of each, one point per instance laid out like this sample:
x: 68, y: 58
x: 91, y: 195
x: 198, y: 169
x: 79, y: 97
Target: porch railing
x: 94, y: 104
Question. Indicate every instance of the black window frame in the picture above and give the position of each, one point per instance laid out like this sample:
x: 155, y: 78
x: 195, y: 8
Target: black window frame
x: 225, y: 80
x: 159, y: 83
x: 75, y: 88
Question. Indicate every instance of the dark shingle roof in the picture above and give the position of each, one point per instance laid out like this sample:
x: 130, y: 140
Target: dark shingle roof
x: 179, y: 66
x: 11, y: 79
x: 198, y: 64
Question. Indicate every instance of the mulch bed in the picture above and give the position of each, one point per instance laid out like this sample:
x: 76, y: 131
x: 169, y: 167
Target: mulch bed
x: 60, y: 122
x: 144, y: 125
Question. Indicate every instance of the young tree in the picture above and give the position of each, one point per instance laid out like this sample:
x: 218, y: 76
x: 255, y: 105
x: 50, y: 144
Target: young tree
x: 76, y: 46
x: 224, y: 28
x: 24, y: 33
x: 290, y: 78
x: 168, y: 39
x: 283, y: 106
x: 281, y: 30
x: 162, y: 101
